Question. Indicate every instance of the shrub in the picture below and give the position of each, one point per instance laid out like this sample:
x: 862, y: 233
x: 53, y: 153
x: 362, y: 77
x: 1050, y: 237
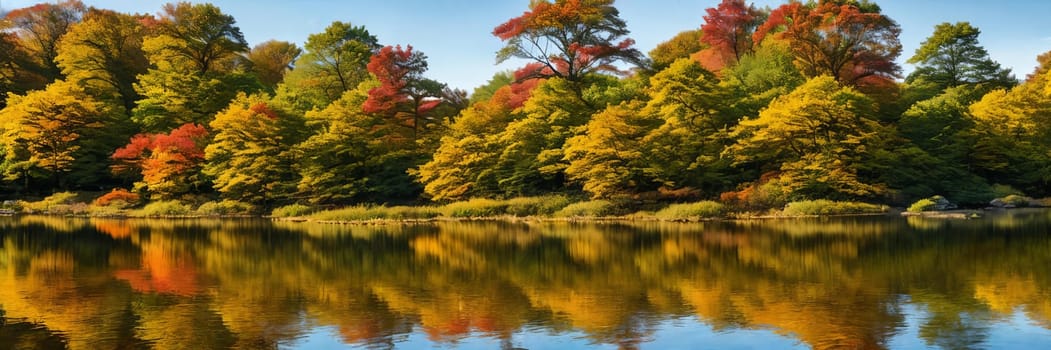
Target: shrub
x: 827, y: 207
x: 589, y: 208
x: 922, y: 205
x: 165, y: 208
x: 410, y: 213
x: 106, y: 211
x: 704, y: 210
x: 355, y: 213
x: 226, y: 207
x: 293, y: 210
x: 478, y: 207
x: 764, y: 194
x: 1001, y: 191
x: 119, y: 198
x: 57, y: 203
x: 1015, y: 201
x: 368, y: 213
x: 543, y: 205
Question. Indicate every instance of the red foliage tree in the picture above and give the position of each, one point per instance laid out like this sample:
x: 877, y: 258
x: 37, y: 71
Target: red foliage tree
x: 167, y: 162
x: 570, y: 38
x: 404, y: 95
x: 837, y: 38
x: 728, y: 30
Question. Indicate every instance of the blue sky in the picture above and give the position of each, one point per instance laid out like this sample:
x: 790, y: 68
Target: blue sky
x: 455, y: 34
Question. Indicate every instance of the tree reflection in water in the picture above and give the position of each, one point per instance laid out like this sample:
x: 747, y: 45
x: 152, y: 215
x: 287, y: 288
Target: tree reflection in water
x: 827, y: 283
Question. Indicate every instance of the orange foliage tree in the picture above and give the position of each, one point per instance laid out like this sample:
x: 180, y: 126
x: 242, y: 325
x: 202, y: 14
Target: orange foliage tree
x: 852, y: 42
x: 168, y: 163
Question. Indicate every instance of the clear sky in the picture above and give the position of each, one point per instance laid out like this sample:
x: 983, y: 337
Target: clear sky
x: 455, y: 34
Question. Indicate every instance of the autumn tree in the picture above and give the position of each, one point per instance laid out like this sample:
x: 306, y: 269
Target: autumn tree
x: 760, y: 77
x: 195, y: 37
x: 53, y: 132
x: 818, y: 138
x: 728, y: 30
x: 335, y: 62
x: 16, y: 67
x: 683, y: 45
x: 104, y: 54
x: 569, y: 38
x: 272, y: 59
x: 952, y: 57
x: 251, y: 158
x: 464, y: 162
x: 404, y: 96
x: 691, y: 104
x: 192, y: 80
x: 608, y: 158
x: 169, y: 164
x: 1012, y: 134
x: 848, y: 40
x: 39, y: 29
x: 337, y: 162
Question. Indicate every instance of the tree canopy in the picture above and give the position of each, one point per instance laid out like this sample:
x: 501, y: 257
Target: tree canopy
x: 753, y: 106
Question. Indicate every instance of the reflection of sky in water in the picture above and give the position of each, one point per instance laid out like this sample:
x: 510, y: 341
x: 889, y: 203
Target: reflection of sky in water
x: 679, y: 333
x: 1014, y: 332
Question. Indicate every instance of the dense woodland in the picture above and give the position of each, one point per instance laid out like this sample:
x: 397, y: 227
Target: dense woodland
x: 755, y: 108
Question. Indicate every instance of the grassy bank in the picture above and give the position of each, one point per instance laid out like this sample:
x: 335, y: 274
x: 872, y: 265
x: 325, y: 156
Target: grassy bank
x: 550, y: 207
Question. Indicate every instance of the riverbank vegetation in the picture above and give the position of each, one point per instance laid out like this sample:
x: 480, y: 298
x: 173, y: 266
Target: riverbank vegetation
x: 758, y: 111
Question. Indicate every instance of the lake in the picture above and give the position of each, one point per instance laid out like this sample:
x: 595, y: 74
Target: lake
x: 855, y: 283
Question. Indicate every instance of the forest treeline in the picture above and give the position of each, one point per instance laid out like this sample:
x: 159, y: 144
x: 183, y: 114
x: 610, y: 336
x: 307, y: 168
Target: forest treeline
x: 757, y: 107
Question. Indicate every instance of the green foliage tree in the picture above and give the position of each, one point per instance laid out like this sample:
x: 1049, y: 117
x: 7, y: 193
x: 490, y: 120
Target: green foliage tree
x: 193, y: 52
x: 464, y: 163
x: 817, y: 137
x: 52, y: 133
x: 104, y: 54
x: 683, y: 152
x: 194, y: 38
x: 760, y: 77
x: 608, y: 157
x: 951, y: 57
x: 532, y: 160
x: 1012, y: 135
x: 251, y: 158
x: 334, y: 62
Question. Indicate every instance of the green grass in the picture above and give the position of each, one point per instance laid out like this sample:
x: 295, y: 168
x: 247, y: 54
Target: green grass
x: 595, y: 208
x: 536, y: 206
x: 369, y: 213
x: 687, y: 211
x: 827, y: 207
x: 475, y: 208
x: 226, y: 207
x: 293, y: 210
x: 57, y: 203
x: 164, y: 208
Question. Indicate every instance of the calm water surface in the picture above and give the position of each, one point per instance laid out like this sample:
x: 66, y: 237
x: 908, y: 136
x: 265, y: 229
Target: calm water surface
x: 862, y: 283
